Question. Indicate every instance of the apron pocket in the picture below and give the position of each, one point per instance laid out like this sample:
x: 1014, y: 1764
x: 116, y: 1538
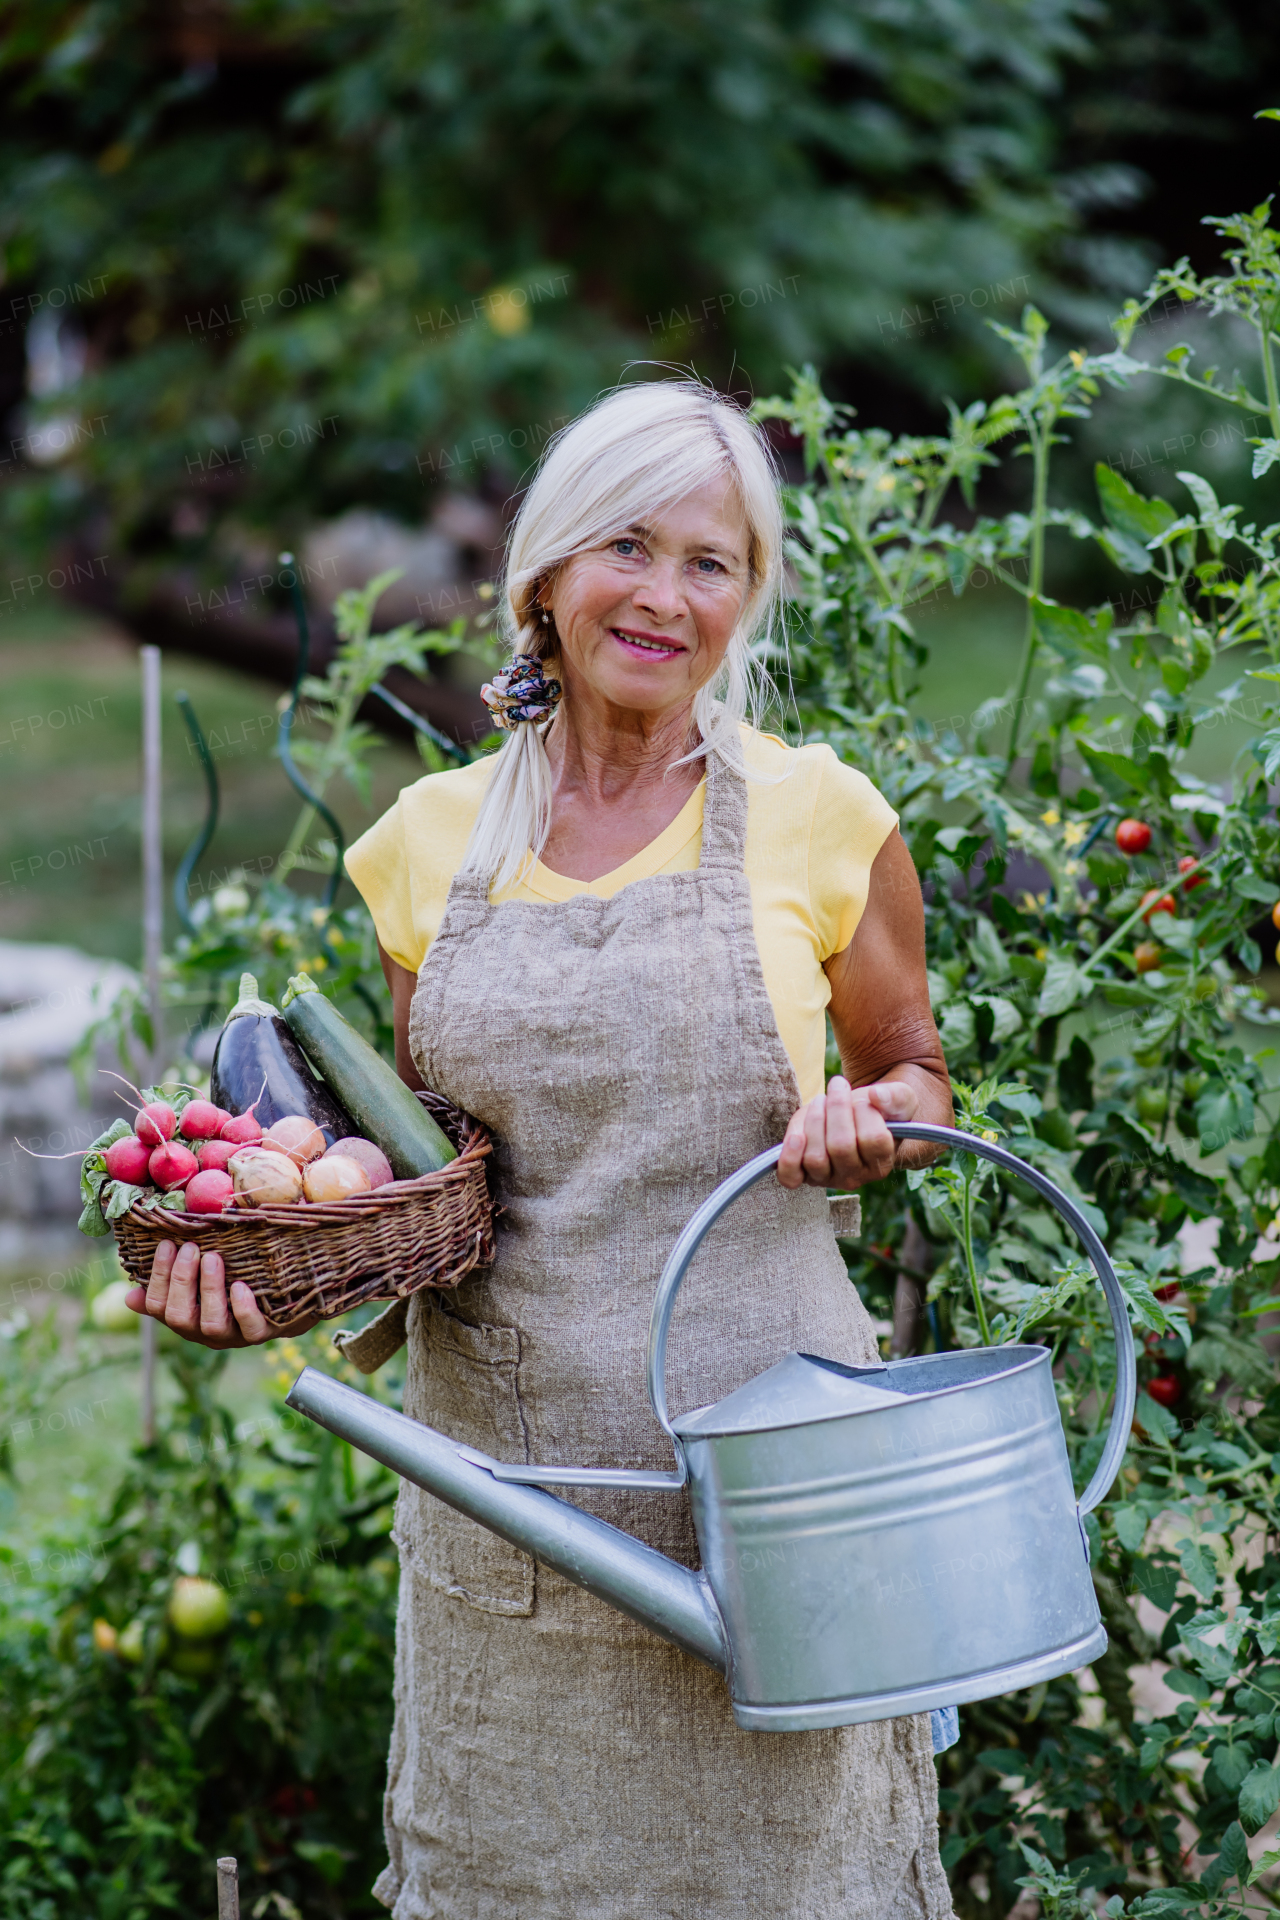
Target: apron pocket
x: 461, y: 1380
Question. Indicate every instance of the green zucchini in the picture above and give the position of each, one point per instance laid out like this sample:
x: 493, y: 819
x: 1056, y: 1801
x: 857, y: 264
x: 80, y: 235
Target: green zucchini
x: 375, y: 1096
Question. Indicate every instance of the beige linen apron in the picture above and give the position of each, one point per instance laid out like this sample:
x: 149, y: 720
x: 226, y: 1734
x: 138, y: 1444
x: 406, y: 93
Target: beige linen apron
x: 551, y: 1760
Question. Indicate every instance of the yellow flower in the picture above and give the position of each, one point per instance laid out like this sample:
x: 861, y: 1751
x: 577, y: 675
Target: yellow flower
x: 990, y: 1135
x: 1071, y: 869
x: 507, y: 314
x: 1052, y: 817
x: 1072, y: 834
x: 1029, y: 902
x: 885, y: 483
x: 1076, y: 357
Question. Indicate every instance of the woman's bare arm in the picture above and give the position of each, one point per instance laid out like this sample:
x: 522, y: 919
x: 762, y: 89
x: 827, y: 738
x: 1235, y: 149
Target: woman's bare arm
x: 401, y: 984
x: 893, y: 1063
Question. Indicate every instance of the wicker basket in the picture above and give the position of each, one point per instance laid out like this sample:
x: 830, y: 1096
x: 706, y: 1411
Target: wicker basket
x: 428, y: 1232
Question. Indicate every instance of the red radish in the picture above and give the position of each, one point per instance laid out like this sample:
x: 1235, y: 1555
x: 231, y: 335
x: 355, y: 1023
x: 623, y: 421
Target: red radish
x: 155, y: 1124
x: 210, y: 1192
x: 366, y: 1155
x: 172, y: 1165
x: 243, y: 1130
x: 297, y: 1136
x: 213, y: 1155
x: 201, y: 1120
x: 127, y: 1160
x: 1133, y: 836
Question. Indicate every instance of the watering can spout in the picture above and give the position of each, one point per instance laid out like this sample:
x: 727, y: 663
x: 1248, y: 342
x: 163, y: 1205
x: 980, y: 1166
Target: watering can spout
x: 640, y: 1582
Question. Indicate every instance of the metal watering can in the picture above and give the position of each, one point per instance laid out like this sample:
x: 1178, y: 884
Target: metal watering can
x: 875, y: 1540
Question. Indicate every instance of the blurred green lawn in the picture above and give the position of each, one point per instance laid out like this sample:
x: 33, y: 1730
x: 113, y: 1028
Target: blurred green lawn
x: 975, y: 643
x: 70, y: 718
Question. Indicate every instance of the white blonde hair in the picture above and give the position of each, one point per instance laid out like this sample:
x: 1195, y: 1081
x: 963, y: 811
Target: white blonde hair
x: 632, y: 456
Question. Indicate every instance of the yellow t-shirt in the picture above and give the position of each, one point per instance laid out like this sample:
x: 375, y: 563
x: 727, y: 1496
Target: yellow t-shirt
x: 811, y: 841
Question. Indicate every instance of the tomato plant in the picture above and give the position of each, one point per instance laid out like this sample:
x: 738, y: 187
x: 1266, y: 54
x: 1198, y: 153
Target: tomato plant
x: 1127, y: 1071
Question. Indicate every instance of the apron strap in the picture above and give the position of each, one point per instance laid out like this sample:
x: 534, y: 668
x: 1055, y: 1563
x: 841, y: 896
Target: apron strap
x: 371, y: 1346
x: 724, y: 819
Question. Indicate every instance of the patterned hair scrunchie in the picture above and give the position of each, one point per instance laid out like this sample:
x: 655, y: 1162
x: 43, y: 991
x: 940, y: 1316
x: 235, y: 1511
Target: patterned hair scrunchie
x: 521, y: 694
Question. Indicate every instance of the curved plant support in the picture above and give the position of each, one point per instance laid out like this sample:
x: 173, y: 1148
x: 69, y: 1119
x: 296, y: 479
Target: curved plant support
x: 300, y: 785
x: 196, y: 850
x: 438, y: 739
x: 286, y: 732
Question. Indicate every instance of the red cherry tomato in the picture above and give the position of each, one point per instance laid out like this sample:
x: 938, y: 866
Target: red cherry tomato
x: 1147, y: 956
x: 1133, y: 836
x: 1165, y: 1390
x: 1275, y: 914
x: 1167, y: 1293
x: 1153, y: 901
x: 1197, y: 879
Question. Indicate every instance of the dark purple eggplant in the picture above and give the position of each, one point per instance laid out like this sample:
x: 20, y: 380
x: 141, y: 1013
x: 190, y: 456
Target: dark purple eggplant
x: 259, y: 1064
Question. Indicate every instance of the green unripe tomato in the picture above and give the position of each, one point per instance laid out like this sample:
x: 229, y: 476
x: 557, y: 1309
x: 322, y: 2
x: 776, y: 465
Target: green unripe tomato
x: 1194, y: 1084
x: 1148, y: 1058
x: 198, y: 1609
x: 1205, y: 987
x: 1153, y: 1103
x: 108, y: 1312
x: 131, y: 1644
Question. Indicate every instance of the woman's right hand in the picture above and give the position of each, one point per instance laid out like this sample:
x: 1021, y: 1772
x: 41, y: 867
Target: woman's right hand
x: 188, y: 1292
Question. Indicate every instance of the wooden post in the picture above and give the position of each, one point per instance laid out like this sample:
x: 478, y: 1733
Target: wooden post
x: 910, y: 1294
x: 152, y: 942
x: 228, y: 1888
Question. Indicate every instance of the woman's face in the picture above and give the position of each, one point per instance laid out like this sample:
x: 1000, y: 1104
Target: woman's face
x: 645, y: 619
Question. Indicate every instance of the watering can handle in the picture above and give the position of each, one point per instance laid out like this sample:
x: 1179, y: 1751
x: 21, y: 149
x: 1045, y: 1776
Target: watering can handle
x: 729, y: 1190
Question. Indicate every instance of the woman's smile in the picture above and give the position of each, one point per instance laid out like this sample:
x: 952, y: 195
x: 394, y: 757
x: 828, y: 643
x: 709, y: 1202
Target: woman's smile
x: 653, y: 646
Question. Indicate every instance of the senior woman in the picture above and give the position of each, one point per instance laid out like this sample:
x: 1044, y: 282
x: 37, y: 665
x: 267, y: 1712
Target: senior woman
x: 616, y: 942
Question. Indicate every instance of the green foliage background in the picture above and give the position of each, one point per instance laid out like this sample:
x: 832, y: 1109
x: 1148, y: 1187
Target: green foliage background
x: 415, y: 162
x: 118, y: 1775
x: 436, y: 227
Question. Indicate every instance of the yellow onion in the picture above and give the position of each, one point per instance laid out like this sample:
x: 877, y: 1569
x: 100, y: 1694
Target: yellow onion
x: 297, y: 1136
x: 264, y: 1179
x: 334, y: 1178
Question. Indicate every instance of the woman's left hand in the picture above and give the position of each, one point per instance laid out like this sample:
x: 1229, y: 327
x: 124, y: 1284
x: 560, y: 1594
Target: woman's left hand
x: 839, y: 1139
